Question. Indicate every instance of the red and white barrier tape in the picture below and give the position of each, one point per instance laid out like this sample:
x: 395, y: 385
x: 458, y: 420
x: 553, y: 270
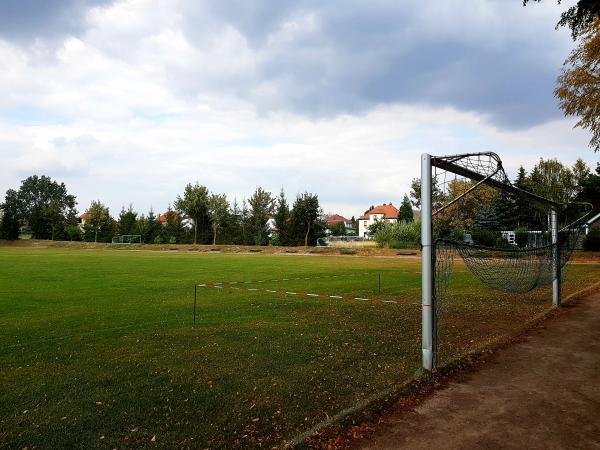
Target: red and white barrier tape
x: 303, y: 294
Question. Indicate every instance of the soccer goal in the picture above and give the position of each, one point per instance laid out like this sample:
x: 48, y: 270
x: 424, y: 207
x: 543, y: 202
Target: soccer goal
x: 127, y: 239
x: 519, y: 240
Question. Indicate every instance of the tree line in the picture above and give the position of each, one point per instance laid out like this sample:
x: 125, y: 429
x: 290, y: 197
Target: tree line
x: 46, y: 210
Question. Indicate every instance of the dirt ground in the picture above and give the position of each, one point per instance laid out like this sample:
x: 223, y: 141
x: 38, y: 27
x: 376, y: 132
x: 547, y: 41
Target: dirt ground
x: 541, y: 393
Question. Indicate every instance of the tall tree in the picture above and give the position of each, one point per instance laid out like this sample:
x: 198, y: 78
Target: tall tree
x: 437, y: 196
x: 306, y: 214
x: 128, y: 220
x: 98, y: 218
x: 10, y: 212
x: 195, y: 204
x: 46, y: 205
x: 578, y: 90
x: 217, y: 212
x: 282, y: 219
x: 261, y: 208
x: 172, y: 231
x: 405, y: 213
x: 590, y: 189
x: 552, y: 179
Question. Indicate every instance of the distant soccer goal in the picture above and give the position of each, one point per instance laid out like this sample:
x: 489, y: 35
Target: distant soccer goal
x: 127, y: 239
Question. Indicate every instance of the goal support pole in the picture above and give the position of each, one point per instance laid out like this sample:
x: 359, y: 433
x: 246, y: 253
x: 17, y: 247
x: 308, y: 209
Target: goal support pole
x: 427, y: 307
x: 555, y: 259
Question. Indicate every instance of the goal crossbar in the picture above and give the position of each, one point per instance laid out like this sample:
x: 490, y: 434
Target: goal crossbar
x: 448, y: 163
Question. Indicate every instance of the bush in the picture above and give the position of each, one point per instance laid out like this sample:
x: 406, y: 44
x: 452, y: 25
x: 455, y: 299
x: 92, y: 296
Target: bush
x: 275, y: 239
x: 591, y: 242
x: 485, y: 237
x: 399, y: 233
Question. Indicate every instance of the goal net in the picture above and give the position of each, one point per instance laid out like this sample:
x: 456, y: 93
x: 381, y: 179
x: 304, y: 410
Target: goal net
x: 509, y: 238
x: 127, y: 239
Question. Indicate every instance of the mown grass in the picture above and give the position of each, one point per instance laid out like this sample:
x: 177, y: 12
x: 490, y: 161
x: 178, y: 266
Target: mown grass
x: 97, y: 348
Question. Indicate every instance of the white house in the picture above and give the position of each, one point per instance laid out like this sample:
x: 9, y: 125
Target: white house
x: 385, y: 212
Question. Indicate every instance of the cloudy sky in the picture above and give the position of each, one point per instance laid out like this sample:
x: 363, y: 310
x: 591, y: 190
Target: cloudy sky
x: 127, y: 101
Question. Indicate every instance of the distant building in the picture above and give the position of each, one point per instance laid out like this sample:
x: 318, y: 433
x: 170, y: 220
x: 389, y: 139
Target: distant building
x: 334, y: 219
x: 83, y: 218
x: 186, y: 222
x: 385, y: 212
x: 272, y: 226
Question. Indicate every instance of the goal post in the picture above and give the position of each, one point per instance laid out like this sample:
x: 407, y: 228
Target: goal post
x: 480, y: 168
x: 127, y: 239
x: 427, y: 307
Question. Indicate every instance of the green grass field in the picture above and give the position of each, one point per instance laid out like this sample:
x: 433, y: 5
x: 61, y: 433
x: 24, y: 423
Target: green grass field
x: 97, y: 347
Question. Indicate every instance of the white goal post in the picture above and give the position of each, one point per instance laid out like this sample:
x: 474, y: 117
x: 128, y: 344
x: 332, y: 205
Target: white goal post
x: 449, y: 164
x: 127, y: 239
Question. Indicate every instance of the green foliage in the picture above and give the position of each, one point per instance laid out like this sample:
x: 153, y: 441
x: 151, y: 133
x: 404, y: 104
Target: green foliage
x: 376, y: 226
x: 338, y: 229
x: 46, y: 206
x: 283, y: 220
x: 127, y: 223
x: 172, y: 231
x: 437, y: 196
x: 488, y: 218
x: 591, y: 243
x: 73, y: 232
x: 306, y: 219
x: 194, y: 203
x: 405, y: 213
x: 11, y: 214
x: 399, y: 233
x: 590, y: 189
x: 262, y: 205
x: 484, y: 236
x: 99, y: 225
x: 218, y: 211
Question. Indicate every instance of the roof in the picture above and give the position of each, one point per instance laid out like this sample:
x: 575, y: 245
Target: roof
x: 335, y: 218
x: 163, y: 217
x: 84, y: 216
x: 389, y: 211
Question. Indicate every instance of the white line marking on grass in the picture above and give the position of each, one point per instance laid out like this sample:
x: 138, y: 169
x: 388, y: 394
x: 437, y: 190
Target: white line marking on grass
x: 269, y: 290
x: 291, y: 293
x: 312, y: 295
x: 252, y: 289
x: 390, y: 301
x: 361, y: 299
x: 335, y: 296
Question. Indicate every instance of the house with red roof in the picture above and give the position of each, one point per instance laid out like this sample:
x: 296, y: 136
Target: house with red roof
x: 334, y: 219
x: 386, y: 212
x: 186, y: 221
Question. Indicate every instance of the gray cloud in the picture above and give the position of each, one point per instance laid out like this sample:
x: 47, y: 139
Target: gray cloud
x: 500, y: 60
x: 323, y: 59
x: 23, y: 21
